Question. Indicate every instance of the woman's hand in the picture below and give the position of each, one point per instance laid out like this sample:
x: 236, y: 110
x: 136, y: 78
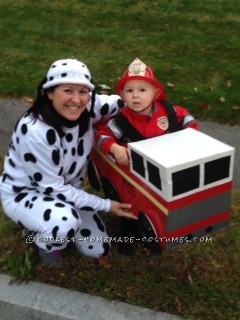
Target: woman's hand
x: 122, y: 210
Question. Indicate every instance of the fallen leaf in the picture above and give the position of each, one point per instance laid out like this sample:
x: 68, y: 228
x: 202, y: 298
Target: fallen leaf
x: 104, y: 87
x: 178, y: 305
x: 205, y: 106
x: 104, y: 263
x: 147, y: 252
x: 222, y: 99
x: 129, y: 292
x: 170, y: 85
x: 190, y: 278
x: 27, y: 101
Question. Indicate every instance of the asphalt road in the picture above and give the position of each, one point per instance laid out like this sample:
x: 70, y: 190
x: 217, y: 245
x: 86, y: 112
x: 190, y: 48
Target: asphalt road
x: 12, y: 109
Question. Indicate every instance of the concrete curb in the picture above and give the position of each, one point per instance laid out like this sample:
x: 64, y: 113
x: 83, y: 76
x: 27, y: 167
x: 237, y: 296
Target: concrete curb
x: 37, y: 301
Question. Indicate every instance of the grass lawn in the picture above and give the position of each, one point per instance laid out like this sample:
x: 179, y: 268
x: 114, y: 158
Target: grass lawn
x: 193, y: 46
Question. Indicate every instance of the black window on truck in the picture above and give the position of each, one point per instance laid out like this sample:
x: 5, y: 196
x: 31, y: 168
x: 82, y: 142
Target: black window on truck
x: 216, y: 170
x: 138, y: 163
x: 185, y: 180
x: 154, y: 175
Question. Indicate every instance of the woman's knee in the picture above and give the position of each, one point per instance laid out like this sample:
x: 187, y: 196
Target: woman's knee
x: 92, y: 239
x: 93, y: 247
x: 66, y: 226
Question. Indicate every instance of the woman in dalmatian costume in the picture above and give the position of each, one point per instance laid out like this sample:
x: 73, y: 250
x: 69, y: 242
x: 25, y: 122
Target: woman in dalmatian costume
x: 42, y: 182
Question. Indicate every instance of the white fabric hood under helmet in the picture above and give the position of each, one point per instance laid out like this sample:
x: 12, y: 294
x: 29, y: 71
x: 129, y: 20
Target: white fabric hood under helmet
x: 68, y: 71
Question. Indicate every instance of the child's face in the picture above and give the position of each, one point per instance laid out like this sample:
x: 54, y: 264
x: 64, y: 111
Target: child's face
x: 139, y: 95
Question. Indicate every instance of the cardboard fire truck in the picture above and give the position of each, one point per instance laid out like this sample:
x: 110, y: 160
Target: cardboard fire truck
x: 179, y: 185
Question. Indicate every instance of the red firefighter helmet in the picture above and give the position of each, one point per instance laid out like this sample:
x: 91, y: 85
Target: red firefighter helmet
x: 138, y: 70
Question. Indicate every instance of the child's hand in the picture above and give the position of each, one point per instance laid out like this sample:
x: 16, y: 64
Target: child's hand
x: 120, y: 153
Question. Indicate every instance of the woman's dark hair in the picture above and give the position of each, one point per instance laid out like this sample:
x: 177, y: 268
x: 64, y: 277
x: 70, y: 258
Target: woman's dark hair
x: 42, y: 108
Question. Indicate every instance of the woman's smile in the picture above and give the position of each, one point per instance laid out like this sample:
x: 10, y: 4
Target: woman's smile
x: 70, y: 100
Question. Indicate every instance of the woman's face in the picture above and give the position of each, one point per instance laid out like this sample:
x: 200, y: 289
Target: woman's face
x: 70, y: 100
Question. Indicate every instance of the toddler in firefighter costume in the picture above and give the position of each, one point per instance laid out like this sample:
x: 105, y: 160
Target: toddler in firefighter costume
x: 42, y: 182
x: 147, y: 114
